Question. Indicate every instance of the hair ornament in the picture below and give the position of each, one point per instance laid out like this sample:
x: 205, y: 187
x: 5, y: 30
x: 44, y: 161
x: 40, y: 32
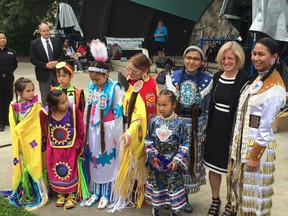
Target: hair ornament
x: 97, y: 70
x: 63, y: 64
x: 99, y: 50
x: 195, y: 48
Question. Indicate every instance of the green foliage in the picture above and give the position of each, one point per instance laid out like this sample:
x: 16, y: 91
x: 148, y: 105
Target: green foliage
x: 8, y: 209
x: 20, y: 18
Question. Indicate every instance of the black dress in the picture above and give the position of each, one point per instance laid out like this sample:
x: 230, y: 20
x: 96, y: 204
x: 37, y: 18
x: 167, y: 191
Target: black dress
x: 218, y: 140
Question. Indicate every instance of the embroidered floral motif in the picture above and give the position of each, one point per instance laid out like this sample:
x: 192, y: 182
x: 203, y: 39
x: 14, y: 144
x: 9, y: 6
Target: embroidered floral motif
x: 95, y: 97
x: 33, y: 144
x: 60, y: 135
x: 163, y: 133
x: 103, y: 101
x: 62, y: 170
x: 15, y: 161
x: 188, y: 93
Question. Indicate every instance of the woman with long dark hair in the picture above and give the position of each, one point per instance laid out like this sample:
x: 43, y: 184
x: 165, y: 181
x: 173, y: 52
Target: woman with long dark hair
x: 252, y: 155
x: 193, y: 87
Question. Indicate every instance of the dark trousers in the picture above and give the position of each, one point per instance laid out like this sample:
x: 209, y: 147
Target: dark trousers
x: 6, y: 96
x: 46, y: 86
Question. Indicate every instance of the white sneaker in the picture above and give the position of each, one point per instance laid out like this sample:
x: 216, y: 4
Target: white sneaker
x: 80, y: 71
x: 103, y: 203
x: 93, y: 199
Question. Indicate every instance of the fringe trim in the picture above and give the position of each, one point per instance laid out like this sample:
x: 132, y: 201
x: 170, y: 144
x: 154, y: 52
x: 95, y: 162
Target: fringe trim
x: 19, y: 199
x: 83, y: 190
x: 192, y: 184
x: 129, y: 186
x: 254, y: 206
x: 43, y: 194
x: 207, y: 90
x: 254, y: 191
x: 243, y: 213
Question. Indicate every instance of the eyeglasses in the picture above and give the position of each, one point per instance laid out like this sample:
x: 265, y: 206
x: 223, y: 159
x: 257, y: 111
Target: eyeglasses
x: 132, y: 71
x: 189, y: 58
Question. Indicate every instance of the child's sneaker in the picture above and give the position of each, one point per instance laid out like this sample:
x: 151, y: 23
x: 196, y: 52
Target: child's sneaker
x: 61, y: 200
x: 93, y: 199
x: 103, y: 203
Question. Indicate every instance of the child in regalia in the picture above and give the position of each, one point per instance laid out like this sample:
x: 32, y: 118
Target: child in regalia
x: 63, y: 135
x: 104, y: 126
x: 75, y: 95
x: 29, y: 189
x: 167, y: 148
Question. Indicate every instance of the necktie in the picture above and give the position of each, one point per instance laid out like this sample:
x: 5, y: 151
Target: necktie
x: 49, y: 49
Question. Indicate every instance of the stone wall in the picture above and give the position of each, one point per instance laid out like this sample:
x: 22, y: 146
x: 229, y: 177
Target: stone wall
x: 212, y: 26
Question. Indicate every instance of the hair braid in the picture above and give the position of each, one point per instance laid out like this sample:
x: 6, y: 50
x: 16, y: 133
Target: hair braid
x: 194, y: 131
x: 87, y: 123
x: 274, y: 66
x: 131, y: 107
x: 102, y: 131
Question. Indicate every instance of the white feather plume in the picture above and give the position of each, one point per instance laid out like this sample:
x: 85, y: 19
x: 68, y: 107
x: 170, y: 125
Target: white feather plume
x: 99, y: 50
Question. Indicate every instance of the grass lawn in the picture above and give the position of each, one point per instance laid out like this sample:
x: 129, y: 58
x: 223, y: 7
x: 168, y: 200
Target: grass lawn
x: 7, y: 209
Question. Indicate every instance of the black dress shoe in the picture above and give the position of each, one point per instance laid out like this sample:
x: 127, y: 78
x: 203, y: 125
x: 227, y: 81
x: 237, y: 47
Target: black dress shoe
x: 2, y: 127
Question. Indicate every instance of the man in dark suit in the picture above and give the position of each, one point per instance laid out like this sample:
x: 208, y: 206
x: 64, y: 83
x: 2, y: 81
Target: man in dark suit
x: 45, y: 53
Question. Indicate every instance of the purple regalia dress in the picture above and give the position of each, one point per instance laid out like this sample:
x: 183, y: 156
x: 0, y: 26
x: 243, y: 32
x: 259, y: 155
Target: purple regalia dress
x: 64, y: 142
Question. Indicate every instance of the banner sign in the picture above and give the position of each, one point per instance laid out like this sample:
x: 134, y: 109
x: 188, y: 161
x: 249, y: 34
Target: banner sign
x: 125, y: 43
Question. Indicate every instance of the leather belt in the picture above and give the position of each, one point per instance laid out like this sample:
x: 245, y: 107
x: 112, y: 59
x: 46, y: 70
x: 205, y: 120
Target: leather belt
x: 185, y: 112
x: 254, y: 121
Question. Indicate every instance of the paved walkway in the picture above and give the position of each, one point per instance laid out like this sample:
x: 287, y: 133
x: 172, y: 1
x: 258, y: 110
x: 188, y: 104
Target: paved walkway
x: 201, y: 201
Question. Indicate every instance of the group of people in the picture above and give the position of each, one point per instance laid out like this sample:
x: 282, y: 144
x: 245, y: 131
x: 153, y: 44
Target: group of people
x: 126, y: 141
x: 80, y: 58
x: 229, y: 120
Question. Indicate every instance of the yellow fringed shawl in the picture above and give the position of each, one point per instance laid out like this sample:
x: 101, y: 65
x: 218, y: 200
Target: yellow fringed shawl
x: 132, y: 173
x: 26, y: 145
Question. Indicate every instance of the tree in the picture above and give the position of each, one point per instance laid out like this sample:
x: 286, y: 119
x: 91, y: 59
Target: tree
x: 20, y: 18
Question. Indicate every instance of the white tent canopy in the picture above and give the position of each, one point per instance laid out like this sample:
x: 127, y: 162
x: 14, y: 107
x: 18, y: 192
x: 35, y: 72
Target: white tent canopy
x: 66, y: 18
x: 271, y: 18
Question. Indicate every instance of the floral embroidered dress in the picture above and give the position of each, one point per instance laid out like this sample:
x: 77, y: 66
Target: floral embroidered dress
x: 64, y: 143
x: 29, y: 189
x: 166, y: 140
x: 194, y: 88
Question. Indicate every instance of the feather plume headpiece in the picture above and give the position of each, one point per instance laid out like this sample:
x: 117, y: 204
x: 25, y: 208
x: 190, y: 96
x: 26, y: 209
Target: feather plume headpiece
x: 99, y: 50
